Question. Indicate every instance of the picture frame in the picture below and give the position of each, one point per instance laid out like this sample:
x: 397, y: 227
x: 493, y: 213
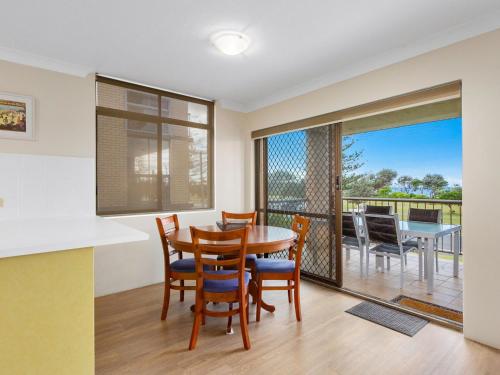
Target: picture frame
x: 16, y: 117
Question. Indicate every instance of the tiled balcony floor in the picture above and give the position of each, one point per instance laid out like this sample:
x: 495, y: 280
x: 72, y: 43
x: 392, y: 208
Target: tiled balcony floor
x: 385, y: 285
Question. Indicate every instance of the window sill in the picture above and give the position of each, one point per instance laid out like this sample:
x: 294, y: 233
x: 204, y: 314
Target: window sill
x: 156, y: 213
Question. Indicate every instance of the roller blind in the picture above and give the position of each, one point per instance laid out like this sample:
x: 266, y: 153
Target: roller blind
x: 154, y: 150
x: 423, y: 102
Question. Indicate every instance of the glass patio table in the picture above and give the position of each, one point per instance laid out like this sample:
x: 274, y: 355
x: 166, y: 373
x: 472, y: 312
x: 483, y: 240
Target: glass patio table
x: 430, y: 233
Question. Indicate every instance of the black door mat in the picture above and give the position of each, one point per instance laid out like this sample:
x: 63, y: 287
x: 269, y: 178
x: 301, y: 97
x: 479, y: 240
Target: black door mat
x: 385, y: 316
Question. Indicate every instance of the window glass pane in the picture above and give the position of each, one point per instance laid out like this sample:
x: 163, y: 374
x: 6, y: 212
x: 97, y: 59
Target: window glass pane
x: 127, y: 165
x: 117, y: 97
x: 185, y: 168
x: 183, y: 110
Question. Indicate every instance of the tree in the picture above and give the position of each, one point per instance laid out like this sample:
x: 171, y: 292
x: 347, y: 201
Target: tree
x: 351, y: 162
x: 362, y: 187
x: 434, y: 183
x: 416, y: 185
x: 383, y: 178
x: 405, y: 182
x: 284, y: 184
x: 455, y: 193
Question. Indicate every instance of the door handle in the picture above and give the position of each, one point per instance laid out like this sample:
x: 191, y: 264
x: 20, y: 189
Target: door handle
x: 338, y: 183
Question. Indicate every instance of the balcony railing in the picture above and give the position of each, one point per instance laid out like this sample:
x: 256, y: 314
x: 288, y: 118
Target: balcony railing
x: 451, y: 209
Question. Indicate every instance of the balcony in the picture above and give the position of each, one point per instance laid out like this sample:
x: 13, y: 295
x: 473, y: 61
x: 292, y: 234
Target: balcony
x: 384, y: 284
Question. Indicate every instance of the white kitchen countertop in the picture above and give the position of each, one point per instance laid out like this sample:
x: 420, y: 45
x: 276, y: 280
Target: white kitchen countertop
x: 24, y: 236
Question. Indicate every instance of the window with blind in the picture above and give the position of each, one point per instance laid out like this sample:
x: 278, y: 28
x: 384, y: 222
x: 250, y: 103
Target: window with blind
x: 154, y: 149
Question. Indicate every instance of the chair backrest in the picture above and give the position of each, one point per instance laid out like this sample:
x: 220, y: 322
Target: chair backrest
x: 379, y: 210
x: 300, y: 225
x: 425, y: 215
x: 382, y: 228
x: 167, y: 225
x: 233, y: 242
x: 250, y: 217
x: 349, y: 225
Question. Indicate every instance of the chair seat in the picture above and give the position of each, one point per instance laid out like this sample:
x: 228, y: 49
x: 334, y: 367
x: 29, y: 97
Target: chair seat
x: 222, y: 286
x: 412, y: 242
x: 183, y: 265
x: 274, y: 265
x: 352, y: 241
x: 390, y: 248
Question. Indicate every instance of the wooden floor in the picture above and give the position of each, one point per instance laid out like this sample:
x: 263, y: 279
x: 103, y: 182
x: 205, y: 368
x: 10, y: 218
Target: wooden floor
x: 131, y: 339
x: 447, y: 289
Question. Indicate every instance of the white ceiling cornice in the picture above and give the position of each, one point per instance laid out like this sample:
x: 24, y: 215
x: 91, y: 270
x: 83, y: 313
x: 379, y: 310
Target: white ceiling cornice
x: 251, y: 82
x: 43, y: 62
x: 451, y: 36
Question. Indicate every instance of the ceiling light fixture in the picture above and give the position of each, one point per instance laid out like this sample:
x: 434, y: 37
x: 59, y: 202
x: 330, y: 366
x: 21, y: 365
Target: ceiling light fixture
x: 230, y: 42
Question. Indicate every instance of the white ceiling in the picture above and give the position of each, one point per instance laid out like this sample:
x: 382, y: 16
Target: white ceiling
x: 297, y: 45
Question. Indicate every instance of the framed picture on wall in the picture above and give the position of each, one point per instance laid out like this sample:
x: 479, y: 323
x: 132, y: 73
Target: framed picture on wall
x: 16, y: 117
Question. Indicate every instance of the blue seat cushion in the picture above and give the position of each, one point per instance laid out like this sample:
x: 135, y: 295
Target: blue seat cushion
x: 183, y: 265
x: 222, y: 286
x: 274, y: 265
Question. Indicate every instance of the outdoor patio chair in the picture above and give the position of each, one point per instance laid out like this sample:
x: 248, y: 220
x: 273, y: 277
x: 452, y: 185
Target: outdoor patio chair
x: 384, y: 230
x: 379, y: 210
x: 425, y: 216
x: 351, y: 237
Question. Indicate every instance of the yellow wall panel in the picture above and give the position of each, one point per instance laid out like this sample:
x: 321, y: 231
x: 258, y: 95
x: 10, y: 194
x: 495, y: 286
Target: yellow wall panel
x: 47, y: 313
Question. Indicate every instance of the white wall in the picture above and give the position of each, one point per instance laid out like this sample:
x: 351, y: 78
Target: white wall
x: 477, y: 63
x: 64, y: 111
x: 41, y: 186
x: 65, y: 164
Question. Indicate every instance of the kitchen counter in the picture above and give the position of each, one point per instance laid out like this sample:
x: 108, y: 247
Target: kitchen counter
x: 42, y: 235
x: 47, y: 291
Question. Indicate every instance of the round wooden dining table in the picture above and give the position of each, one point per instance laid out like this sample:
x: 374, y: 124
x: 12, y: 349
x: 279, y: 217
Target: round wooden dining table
x: 262, y: 239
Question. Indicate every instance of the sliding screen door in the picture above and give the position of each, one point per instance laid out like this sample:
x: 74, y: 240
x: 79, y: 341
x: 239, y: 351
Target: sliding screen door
x: 299, y: 173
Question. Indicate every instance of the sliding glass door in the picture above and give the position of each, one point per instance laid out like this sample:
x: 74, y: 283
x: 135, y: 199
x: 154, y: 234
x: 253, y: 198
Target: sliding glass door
x: 299, y: 173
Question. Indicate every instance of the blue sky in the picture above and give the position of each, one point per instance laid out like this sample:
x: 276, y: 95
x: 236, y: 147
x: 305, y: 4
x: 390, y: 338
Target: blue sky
x: 415, y: 150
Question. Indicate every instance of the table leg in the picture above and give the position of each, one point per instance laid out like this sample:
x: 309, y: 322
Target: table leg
x: 429, y: 250
x: 253, y: 289
x: 420, y: 263
x: 379, y: 263
x: 361, y: 254
x: 456, y: 252
x: 425, y: 258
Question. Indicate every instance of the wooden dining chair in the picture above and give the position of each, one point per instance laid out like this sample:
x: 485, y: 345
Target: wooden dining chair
x: 280, y: 269
x: 179, y: 270
x: 223, y: 285
x: 251, y: 218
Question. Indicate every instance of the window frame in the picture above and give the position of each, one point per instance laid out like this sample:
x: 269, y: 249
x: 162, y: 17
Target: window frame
x: 158, y: 120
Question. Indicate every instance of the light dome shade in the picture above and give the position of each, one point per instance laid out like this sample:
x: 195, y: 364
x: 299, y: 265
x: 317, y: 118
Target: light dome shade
x: 230, y: 42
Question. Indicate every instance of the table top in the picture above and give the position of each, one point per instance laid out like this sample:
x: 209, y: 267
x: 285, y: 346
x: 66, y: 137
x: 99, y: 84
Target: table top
x: 424, y: 230
x: 421, y: 229
x: 261, y: 238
